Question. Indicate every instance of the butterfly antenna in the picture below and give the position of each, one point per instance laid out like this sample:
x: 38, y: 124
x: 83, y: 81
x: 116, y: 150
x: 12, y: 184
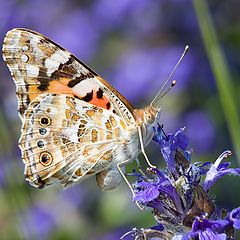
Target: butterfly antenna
x: 169, y: 88
x: 156, y: 98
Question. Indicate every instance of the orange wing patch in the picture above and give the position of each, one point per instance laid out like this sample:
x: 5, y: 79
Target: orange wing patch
x: 98, y: 99
x: 57, y: 87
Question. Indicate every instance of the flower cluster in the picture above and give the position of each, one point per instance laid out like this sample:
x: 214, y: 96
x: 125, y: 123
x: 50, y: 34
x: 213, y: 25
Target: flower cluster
x: 179, y: 198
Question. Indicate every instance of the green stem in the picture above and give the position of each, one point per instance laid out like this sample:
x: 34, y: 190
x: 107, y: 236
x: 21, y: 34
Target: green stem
x: 220, y: 71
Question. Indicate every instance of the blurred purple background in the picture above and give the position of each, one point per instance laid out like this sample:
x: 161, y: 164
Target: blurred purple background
x: 134, y: 45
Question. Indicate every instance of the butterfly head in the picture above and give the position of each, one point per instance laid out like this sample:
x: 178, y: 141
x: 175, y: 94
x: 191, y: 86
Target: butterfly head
x: 148, y: 116
x: 151, y: 115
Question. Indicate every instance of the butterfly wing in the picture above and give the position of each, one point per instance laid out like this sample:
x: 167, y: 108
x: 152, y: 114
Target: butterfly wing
x: 66, y: 140
x: 61, y: 142
x: 38, y: 66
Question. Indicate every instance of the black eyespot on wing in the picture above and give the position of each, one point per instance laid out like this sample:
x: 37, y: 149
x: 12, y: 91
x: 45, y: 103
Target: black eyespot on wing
x: 42, y: 131
x: 40, y: 144
x: 45, y: 158
x: 44, y: 121
x: 43, y: 87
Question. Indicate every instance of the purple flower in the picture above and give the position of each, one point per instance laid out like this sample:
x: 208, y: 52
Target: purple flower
x: 218, y: 170
x: 169, y: 144
x: 205, y: 229
x: 179, y: 196
x: 147, y: 192
x: 234, y: 218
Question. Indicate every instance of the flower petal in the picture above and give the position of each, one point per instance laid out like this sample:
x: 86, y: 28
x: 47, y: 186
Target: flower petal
x: 218, y: 170
x: 147, y: 195
x: 234, y: 217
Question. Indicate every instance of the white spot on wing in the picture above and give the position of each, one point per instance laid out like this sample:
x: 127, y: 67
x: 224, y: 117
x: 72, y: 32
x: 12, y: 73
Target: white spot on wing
x: 24, y: 58
x: 71, y: 133
x: 51, y: 66
x: 25, y: 48
x: 32, y: 71
x: 84, y: 87
x: 57, y: 58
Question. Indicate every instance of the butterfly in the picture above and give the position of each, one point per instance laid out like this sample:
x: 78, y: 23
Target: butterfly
x: 74, y: 123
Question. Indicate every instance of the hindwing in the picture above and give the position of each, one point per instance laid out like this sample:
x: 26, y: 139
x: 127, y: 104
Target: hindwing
x: 65, y: 140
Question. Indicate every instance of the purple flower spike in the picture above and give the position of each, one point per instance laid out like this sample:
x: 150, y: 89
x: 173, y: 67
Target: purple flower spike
x: 179, y: 197
x: 218, y: 170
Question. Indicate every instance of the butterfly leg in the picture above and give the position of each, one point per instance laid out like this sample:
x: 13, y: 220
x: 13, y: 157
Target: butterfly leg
x: 119, y: 165
x: 142, y: 148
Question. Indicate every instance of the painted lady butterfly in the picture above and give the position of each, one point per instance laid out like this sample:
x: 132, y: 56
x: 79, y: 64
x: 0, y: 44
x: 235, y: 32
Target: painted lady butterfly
x: 74, y: 123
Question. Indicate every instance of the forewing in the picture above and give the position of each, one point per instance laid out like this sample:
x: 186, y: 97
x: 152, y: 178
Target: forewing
x: 38, y: 66
x: 65, y: 140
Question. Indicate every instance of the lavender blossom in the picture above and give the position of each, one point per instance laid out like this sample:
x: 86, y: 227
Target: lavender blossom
x: 178, y: 196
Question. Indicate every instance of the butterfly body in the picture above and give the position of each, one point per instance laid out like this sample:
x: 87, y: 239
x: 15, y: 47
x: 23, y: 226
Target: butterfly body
x: 75, y: 124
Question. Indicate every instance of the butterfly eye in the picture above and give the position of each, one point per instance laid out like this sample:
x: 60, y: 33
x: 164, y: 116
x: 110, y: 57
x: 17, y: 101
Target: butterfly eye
x: 46, y: 158
x: 149, y: 118
x: 45, y: 121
